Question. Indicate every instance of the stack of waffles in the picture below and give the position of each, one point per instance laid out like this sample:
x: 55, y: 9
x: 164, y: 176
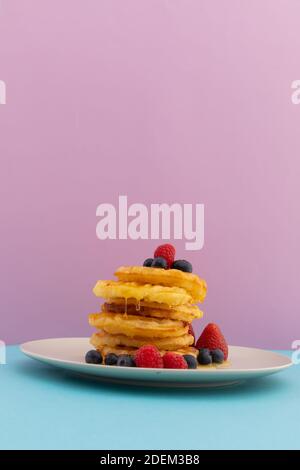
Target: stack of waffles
x: 147, y: 305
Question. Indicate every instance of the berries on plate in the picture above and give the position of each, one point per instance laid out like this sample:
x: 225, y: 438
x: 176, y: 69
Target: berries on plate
x: 182, y: 265
x: 191, y: 361
x: 174, y: 361
x: 148, y: 356
x: 111, y: 359
x: 166, y: 251
x: 217, y: 356
x: 204, y: 357
x: 148, y: 262
x: 159, y: 263
x: 93, y: 357
x: 124, y: 360
x: 212, y: 338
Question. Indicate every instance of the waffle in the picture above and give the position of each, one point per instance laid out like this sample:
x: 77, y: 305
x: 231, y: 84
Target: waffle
x: 186, y: 313
x: 147, y: 292
x: 133, y: 325
x: 192, y: 283
x: 170, y: 343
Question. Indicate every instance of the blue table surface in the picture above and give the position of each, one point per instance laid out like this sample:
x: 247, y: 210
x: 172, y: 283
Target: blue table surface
x: 42, y: 407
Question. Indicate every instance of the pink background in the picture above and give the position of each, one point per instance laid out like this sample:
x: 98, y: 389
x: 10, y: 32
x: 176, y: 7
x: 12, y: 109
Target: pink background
x: 165, y: 101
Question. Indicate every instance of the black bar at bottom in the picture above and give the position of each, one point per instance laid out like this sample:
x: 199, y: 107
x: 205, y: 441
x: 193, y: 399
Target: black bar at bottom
x: 134, y: 459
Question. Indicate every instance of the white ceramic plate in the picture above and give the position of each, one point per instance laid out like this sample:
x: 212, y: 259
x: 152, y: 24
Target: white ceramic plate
x: 244, y: 364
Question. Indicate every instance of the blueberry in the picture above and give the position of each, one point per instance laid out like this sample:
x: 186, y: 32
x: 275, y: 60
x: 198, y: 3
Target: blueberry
x: 159, y: 263
x: 111, y: 359
x: 191, y: 361
x: 148, y: 262
x: 217, y: 356
x: 204, y: 357
x: 204, y: 351
x: 93, y: 357
x: 182, y: 265
x: 124, y: 360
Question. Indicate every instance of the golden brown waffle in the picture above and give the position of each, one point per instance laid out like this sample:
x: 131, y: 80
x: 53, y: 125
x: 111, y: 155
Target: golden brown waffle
x: 147, y: 292
x: 192, y: 283
x: 101, y: 339
x: 133, y: 325
x: 186, y: 313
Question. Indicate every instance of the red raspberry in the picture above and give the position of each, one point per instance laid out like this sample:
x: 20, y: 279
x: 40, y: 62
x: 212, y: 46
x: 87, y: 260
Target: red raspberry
x: 212, y: 338
x: 148, y: 356
x: 191, y: 332
x: 174, y: 361
x: 166, y: 251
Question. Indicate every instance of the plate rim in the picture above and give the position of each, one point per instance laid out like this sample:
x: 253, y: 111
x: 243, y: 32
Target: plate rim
x: 225, y: 370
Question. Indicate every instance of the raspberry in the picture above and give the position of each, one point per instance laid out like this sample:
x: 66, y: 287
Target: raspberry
x: 166, y: 251
x: 174, y: 361
x: 148, y: 356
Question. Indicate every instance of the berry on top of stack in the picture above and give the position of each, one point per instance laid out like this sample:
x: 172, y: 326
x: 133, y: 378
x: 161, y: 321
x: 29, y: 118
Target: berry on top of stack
x: 145, y: 320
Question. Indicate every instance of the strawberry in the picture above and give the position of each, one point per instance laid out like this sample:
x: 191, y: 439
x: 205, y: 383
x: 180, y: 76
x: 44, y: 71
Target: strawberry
x: 212, y: 338
x: 166, y: 251
x: 191, y: 332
